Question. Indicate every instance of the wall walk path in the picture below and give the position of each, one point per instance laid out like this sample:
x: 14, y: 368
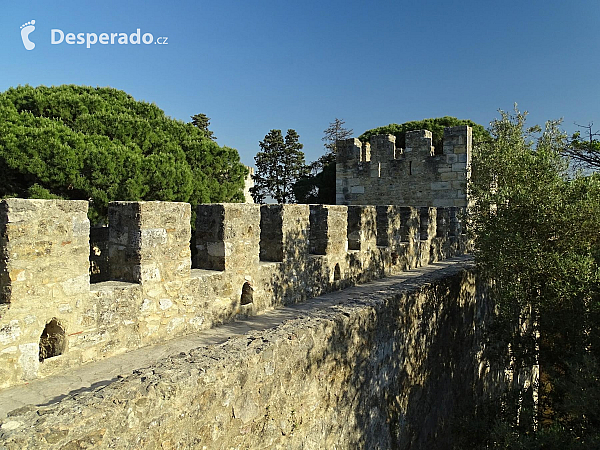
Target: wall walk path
x: 52, y: 389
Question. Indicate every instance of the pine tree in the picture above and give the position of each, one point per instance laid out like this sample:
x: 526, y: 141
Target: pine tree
x: 202, y: 121
x: 100, y: 144
x: 333, y: 133
x: 318, y: 186
x: 278, y: 166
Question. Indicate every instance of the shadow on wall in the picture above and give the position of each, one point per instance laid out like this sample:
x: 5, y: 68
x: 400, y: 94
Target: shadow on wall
x: 407, y: 367
x: 387, y: 370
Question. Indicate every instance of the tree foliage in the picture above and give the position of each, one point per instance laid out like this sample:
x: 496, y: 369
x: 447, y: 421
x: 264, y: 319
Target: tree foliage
x: 318, y: 185
x: 99, y: 144
x: 585, y: 150
x: 202, y: 121
x: 278, y: 166
x: 331, y: 135
x: 537, y: 235
x: 318, y: 188
x: 436, y: 126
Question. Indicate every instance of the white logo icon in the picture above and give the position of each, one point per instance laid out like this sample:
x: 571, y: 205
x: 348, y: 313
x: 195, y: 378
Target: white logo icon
x: 26, y: 30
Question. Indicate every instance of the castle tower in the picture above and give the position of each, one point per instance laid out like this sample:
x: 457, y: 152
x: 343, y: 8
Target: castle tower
x: 379, y: 173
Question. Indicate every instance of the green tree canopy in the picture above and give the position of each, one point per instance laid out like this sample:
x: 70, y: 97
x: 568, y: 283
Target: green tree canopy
x: 100, y: 144
x: 331, y: 135
x: 202, y: 121
x: 278, y: 166
x: 584, y: 150
x: 318, y: 184
x: 536, y: 231
x: 318, y: 188
x: 436, y: 126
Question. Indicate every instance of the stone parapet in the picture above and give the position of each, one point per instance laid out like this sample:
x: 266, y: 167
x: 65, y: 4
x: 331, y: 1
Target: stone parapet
x: 227, y: 236
x: 362, y: 227
x: 249, y: 258
x: 284, y: 232
x: 149, y: 242
x: 328, y: 225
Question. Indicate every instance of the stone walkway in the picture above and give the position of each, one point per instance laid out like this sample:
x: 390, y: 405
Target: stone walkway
x: 90, y: 376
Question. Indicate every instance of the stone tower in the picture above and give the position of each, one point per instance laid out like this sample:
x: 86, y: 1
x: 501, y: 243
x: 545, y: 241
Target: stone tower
x: 379, y: 173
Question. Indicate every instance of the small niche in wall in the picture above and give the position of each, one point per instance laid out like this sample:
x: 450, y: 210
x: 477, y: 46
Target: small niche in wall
x: 247, y: 294
x: 337, y: 275
x: 52, y: 340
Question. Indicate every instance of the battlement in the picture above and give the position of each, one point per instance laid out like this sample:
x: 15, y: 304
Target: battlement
x: 377, y: 172
x: 248, y: 258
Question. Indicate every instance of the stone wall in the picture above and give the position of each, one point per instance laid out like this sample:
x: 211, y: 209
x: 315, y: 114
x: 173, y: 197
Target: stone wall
x: 378, y: 173
x: 249, y: 258
x: 385, y: 369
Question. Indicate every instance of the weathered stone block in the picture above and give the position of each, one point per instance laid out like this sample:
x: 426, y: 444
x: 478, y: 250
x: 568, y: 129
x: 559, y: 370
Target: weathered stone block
x: 42, y: 242
x: 440, y: 185
x: 452, y: 158
x: 410, y: 224
x: 383, y: 147
x: 443, y: 202
x: 459, y: 185
x: 284, y: 232
x: 428, y: 222
x: 349, y: 150
x: 375, y: 170
x: 328, y: 229
x: 227, y: 236
x: 149, y: 241
x: 455, y: 217
x: 419, y: 143
x: 442, y: 222
x: 449, y: 176
x: 362, y: 227
x: 389, y: 225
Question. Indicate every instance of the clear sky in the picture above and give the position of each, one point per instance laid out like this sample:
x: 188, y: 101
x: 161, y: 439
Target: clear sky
x: 252, y: 66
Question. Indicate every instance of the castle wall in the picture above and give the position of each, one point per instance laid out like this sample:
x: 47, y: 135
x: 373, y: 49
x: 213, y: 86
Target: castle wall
x: 379, y: 173
x: 249, y: 258
x: 387, y: 367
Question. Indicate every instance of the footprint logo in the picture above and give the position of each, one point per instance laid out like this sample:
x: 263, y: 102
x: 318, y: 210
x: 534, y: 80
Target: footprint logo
x: 26, y: 30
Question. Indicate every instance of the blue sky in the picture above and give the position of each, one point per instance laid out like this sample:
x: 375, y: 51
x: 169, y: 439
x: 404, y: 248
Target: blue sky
x: 252, y: 66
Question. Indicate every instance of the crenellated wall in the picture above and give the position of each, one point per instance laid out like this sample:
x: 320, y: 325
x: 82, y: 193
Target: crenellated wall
x: 379, y: 173
x: 248, y: 258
